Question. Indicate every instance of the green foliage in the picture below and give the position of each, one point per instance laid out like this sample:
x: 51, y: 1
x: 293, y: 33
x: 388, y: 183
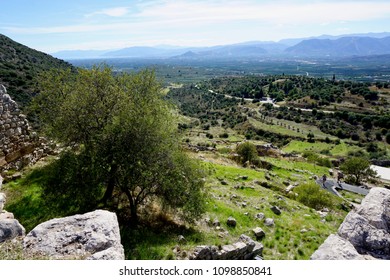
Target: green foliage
x: 357, y: 169
x: 247, y: 152
x: 315, y: 158
x: 313, y: 196
x: 127, y: 139
x: 19, y: 65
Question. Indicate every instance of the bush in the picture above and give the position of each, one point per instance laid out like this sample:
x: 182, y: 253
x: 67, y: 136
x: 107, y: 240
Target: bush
x: 247, y: 152
x: 224, y: 135
x: 313, y: 196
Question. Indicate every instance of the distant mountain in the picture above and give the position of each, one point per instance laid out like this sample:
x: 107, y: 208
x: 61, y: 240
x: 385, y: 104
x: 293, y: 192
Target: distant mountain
x: 293, y: 41
x: 143, y: 52
x: 79, y: 54
x: 324, y: 45
x: 20, y: 65
x: 346, y: 46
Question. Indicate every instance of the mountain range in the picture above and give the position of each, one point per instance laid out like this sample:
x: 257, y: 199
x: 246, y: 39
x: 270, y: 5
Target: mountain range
x: 322, y: 46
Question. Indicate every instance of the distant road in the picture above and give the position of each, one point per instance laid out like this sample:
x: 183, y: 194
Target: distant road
x: 330, y: 185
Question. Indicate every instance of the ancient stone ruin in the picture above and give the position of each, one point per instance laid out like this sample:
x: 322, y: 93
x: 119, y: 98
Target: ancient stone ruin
x: 365, y: 232
x: 244, y: 249
x: 19, y: 145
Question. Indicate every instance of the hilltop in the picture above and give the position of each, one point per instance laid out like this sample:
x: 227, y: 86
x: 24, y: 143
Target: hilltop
x: 19, y: 67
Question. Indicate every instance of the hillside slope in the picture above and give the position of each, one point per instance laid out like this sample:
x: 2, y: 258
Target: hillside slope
x: 19, y: 66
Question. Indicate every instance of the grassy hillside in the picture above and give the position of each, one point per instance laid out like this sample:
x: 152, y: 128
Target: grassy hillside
x: 19, y: 67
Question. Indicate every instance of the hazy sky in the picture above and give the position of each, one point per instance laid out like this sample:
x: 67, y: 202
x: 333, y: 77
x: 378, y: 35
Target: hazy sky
x: 52, y: 25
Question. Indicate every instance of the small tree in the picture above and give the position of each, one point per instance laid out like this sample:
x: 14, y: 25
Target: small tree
x: 357, y: 169
x: 247, y: 152
x: 124, y: 137
x: 310, y: 137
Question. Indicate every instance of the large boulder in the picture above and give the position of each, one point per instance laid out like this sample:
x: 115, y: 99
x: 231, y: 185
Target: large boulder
x: 94, y: 235
x: 365, y: 232
x: 10, y: 228
x: 336, y: 248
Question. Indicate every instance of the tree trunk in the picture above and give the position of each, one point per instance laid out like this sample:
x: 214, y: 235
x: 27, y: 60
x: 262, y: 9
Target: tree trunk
x: 133, y: 207
x: 110, y: 185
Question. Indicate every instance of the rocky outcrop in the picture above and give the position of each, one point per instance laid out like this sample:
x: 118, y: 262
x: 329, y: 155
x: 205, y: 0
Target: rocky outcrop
x: 9, y: 227
x: 19, y: 146
x: 244, y: 249
x: 365, y: 232
x: 93, y: 235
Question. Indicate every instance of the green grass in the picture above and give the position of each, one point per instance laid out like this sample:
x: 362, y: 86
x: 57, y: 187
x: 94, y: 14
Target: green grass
x: 281, y: 127
x: 339, y: 150
x: 285, y: 240
x: 156, y: 239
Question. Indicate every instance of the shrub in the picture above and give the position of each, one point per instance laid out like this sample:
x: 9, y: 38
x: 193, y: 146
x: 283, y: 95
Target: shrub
x: 247, y: 152
x: 224, y: 135
x: 313, y: 196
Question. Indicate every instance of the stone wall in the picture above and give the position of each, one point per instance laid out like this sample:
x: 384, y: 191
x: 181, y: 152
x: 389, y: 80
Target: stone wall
x: 19, y: 145
x: 244, y: 249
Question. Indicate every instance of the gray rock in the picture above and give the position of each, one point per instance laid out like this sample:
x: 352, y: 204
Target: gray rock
x: 94, y: 235
x: 269, y: 222
x: 258, y: 232
x: 10, y: 228
x: 244, y: 249
x: 1, y: 182
x: 2, y: 201
x: 276, y: 210
x: 358, y: 230
x: 336, y: 248
x: 260, y: 216
x: 216, y: 223
x: 181, y: 239
x: 6, y: 215
x: 231, y: 222
x: 366, y: 229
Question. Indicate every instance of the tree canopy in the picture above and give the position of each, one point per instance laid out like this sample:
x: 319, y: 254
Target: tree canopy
x: 124, y: 133
x: 357, y: 169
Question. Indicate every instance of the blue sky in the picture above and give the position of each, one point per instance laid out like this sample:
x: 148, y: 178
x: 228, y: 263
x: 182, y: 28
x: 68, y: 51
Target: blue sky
x: 53, y: 25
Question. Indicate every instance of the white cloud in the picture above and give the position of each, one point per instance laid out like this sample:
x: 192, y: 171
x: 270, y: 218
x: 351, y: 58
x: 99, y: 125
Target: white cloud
x: 185, y: 14
x: 212, y: 22
x: 112, y: 12
x: 271, y: 12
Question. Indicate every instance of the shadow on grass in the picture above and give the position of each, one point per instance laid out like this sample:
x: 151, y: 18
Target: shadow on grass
x: 51, y: 191
x: 156, y: 241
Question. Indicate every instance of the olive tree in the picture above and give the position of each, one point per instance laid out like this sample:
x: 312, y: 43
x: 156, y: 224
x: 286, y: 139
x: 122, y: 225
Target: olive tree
x: 127, y: 135
x: 357, y: 169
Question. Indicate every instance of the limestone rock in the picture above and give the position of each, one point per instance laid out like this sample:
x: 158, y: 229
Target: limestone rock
x: 10, y: 228
x: 260, y: 216
x: 6, y: 215
x: 94, y: 235
x: 269, y: 222
x: 2, y: 201
x: 276, y: 210
x: 336, y: 248
x: 244, y: 249
x: 216, y: 223
x: 231, y: 222
x: 258, y: 232
x: 366, y: 229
